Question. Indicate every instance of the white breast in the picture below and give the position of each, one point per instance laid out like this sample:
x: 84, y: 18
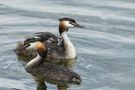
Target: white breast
x: 69, y: 47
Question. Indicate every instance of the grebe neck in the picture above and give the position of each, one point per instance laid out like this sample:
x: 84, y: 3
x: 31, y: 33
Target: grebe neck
x: 69, y: 47
x: 62, y: 29
x: 37, y: 61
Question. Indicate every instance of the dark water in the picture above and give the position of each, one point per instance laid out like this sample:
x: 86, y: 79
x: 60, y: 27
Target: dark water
x: 105, y: 47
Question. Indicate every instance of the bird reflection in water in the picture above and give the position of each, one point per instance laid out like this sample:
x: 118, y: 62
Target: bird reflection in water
x: 42, y: 86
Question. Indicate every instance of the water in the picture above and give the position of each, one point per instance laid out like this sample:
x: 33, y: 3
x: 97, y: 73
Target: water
x: 105, y: 47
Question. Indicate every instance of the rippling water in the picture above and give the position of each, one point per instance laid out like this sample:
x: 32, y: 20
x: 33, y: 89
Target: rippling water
x: 105, y: 47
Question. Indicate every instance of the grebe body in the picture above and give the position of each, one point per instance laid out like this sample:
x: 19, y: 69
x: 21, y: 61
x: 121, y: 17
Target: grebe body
x: 59, y: 47
x: 50, y: 72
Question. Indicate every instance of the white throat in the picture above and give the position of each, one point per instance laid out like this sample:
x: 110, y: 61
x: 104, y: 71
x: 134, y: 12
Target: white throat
x: 69, y: 47
x: 34, y: 62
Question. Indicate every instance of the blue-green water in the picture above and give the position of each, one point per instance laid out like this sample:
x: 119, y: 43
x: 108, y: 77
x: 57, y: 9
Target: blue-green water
x: 105, y: 47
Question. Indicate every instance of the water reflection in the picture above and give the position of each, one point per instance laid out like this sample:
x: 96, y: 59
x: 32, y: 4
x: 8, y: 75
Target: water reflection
x: 42, y: 86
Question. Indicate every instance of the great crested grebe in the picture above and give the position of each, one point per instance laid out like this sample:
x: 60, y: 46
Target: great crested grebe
x: 51, y: 73
x: 59, y: 47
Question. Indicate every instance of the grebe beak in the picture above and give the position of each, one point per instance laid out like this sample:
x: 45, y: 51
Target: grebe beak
x: 79, y: 26
x: 26, y: 46
x: 29, y: 40
x: 76, y: 25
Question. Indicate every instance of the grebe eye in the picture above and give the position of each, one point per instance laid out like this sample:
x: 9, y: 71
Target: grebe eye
x: 72, y: 23
x: 72, y: 20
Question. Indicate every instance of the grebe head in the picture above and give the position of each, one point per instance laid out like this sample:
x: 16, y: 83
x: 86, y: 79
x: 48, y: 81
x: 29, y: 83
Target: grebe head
x: 37, y: 45
x: 66, y: 23
x: 41, y: 54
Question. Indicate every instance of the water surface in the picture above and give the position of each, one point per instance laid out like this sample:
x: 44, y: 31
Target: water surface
x: 105, y: 47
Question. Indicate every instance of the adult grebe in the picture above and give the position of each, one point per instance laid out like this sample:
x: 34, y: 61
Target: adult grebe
x: 51, y: 73
x: 59, y: 47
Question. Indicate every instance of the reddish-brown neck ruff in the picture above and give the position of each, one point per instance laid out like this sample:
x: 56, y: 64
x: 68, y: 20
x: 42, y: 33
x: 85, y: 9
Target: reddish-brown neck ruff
x: 62, y: 27
x: 41, y: 48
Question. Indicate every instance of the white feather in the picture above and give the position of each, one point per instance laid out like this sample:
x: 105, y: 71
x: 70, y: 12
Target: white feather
x: 34, y: 62
x: 69, y: 47
x: 68, y: 25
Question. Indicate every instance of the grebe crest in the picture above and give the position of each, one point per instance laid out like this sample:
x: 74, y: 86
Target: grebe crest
x: 66, y: 23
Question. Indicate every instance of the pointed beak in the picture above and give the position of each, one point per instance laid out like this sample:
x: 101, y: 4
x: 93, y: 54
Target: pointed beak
x: 77, y: 25
x: 29, y: 40
x: 26, y: 46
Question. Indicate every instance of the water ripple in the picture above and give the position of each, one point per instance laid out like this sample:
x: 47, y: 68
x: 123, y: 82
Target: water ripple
x: 105, y: 47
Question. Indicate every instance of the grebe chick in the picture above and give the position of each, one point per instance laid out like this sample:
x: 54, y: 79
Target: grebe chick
x: 51, y: 73
x: 60, y: 47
